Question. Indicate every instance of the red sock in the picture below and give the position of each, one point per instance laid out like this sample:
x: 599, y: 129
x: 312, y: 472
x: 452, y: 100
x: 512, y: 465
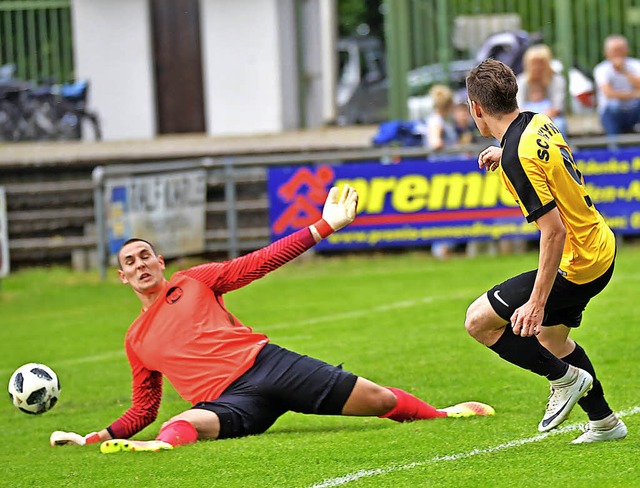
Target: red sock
x: 177, y: 433
x: 410, y: 408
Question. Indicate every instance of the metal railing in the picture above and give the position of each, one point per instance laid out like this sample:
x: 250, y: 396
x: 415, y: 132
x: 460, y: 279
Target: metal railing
x: 51, y: 208
x: 36, y: 36
x: 231, y: 176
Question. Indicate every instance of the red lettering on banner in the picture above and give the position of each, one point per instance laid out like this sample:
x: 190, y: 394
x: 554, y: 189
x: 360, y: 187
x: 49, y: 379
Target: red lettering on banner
x: 305, y: 192
x: 316, y: 184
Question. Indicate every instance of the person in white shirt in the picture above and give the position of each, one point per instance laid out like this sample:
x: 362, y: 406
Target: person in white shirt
x: 618, y: 82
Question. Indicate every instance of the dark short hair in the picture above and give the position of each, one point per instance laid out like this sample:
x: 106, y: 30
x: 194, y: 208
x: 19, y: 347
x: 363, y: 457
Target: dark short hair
x: 493, y: 86
x: 135, y: 239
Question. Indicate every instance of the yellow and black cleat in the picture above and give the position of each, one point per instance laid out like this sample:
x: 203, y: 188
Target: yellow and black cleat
x: 125, y: 445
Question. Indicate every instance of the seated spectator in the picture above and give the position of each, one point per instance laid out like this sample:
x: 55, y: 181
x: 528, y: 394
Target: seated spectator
x: 465, y: 127
x: 440, y: 131
x: 549, y: 88
x: 537, y: 100
x: 618, y: 82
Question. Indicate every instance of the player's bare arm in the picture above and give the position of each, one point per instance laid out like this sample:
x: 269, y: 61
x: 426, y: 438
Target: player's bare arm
x: 489, y: 159
x: 527, y: 320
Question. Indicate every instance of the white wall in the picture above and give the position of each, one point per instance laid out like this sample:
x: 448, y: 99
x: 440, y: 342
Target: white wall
x: 112, y: 43
x: 288, y: 49
x: 329, y: 56
x: 241, y: 63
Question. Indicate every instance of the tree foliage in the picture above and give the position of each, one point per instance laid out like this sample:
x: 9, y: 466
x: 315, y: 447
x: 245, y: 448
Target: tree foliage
x: 353, y: 13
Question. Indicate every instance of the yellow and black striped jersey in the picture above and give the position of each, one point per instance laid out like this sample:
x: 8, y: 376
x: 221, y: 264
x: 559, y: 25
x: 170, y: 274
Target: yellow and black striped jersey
x: 537, y: 168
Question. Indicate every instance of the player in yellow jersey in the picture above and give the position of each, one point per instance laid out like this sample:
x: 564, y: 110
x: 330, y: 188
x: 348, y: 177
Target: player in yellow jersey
x: 527, y: 319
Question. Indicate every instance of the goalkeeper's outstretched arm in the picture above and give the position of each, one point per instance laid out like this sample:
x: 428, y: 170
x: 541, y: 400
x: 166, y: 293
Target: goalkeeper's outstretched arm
x: 339, y: 211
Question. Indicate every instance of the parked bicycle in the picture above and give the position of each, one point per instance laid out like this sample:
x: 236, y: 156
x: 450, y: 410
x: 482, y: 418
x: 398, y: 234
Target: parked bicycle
x: 45, y: 112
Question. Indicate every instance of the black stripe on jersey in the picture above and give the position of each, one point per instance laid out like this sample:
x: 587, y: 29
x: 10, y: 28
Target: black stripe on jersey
x: 512, y: 167
x: 539, y: 212
x: 587, y: 199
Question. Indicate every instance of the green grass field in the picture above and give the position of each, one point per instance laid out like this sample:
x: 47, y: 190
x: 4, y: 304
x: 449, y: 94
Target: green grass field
x: 395, y: 319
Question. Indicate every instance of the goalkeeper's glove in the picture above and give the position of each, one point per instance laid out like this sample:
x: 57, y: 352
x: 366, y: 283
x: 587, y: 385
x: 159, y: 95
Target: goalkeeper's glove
x: 59, y: 438
x: 338, y: 212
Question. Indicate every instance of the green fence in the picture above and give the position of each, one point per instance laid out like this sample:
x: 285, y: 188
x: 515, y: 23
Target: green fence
x: 422, y: 32
x: 36, y: 36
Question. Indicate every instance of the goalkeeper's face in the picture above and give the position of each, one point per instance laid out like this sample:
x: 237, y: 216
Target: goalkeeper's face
x: 142, y: 269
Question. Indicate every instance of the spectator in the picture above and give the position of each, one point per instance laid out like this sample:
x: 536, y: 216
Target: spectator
x: 537, y: 100
x: 618, y: 82
x: 540, y: 89
x: 440, y: 130
x: 465, y: 127
x: 440, y: 133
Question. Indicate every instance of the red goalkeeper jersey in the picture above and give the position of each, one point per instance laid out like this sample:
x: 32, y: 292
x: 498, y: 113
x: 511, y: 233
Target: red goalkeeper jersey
x: 189, y: 336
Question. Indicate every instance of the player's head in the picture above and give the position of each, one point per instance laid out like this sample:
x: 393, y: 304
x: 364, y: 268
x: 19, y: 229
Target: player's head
x: 140, y: 266
x: 492, y: 89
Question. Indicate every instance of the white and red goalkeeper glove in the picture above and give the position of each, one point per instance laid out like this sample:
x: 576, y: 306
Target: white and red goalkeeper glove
x: 337, y: 212
x: 60, y: 438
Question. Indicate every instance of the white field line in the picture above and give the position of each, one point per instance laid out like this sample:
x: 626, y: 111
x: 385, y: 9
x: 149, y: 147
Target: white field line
x: 368, y: 311
x: 315, y: 320
x: 369, y: 473
x: 82, y: 360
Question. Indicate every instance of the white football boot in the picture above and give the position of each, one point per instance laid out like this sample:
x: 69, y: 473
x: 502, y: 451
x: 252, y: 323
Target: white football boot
x: 565, y: 393
x: 608, y: 429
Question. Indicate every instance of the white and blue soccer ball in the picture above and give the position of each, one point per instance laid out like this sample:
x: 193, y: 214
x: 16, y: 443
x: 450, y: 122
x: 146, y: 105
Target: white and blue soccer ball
x: 34, y: 388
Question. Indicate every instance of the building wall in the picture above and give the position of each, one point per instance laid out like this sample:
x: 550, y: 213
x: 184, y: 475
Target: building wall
x: 243, y: 66
x: 328, y: 55
x: 255, y: 68
x: 289, y: 73
x: 113, y: 51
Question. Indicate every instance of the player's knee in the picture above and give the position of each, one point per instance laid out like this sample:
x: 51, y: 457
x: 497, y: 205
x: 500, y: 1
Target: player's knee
x: 473, y: 322
x: 187, y: 416
x: 205, y: 422
x: 368, y: 398
x: 174, y: 419
x: 381, y: 400
x: 387, y: 400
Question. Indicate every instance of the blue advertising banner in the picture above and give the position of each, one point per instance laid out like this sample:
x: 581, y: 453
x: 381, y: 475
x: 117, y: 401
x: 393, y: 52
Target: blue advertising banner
x: 418, y: 202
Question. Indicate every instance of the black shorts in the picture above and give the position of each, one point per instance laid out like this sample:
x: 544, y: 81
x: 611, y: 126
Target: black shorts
x: 279, y: 381
x: 565, y: 304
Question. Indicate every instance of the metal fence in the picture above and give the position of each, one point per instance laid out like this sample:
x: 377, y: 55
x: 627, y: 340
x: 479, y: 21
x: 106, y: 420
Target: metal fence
x: 36, y: 36
x: 423, y: 32
x: 51, y: 212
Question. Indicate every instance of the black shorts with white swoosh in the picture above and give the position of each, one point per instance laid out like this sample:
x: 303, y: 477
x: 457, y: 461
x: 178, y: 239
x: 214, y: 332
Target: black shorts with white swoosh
x: 565, y: 304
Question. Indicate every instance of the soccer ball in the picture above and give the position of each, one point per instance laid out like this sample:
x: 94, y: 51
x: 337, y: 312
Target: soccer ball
x: 34, y: 388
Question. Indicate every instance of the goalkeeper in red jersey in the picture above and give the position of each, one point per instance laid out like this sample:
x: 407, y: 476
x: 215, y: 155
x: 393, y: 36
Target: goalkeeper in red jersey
x: 237, y: 382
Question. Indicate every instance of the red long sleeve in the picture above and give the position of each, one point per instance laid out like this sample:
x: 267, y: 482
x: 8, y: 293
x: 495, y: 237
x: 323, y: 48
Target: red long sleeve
x: 231, y: 275
x: 145, y: 400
